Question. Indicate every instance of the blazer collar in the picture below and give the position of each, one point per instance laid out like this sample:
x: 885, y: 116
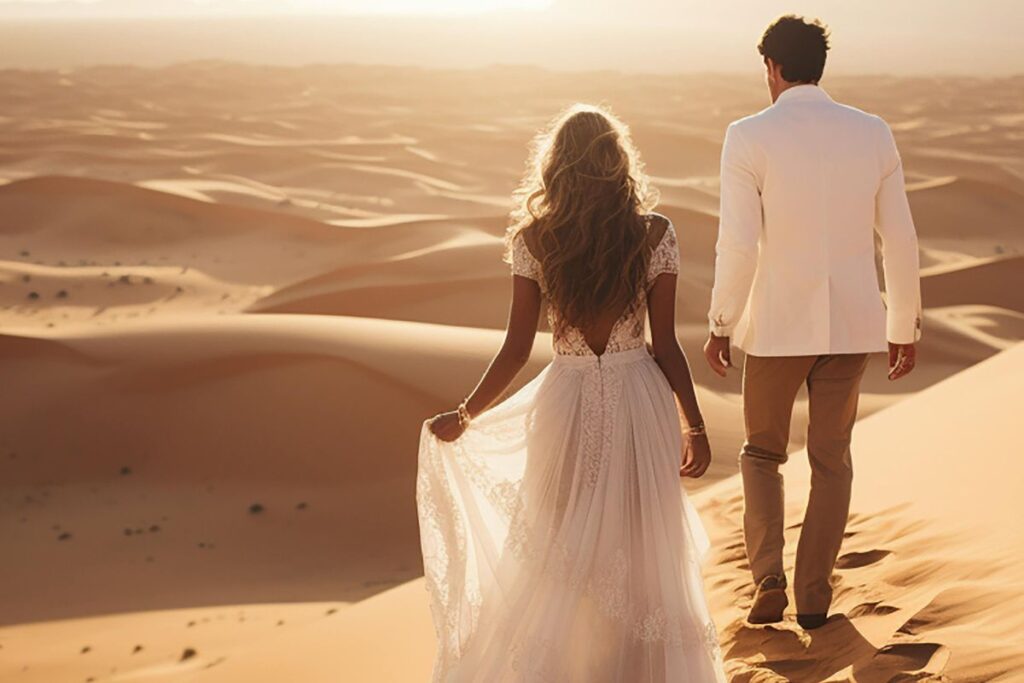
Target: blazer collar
x: 804, y: 93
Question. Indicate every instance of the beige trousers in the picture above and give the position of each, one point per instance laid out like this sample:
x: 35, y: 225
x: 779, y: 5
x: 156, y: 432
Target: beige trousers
x: 770, y: 385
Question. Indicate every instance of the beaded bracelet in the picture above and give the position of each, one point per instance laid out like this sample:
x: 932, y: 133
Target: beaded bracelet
x: 696, y: 430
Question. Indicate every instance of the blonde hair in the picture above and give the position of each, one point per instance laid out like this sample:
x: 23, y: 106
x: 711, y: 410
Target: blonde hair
x: 585, y: 195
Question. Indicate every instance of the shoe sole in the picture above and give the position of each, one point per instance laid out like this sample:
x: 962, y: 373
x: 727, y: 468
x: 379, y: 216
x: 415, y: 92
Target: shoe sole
x: 768, y: 608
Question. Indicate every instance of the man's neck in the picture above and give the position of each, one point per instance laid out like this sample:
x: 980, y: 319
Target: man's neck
x: 786, y: 85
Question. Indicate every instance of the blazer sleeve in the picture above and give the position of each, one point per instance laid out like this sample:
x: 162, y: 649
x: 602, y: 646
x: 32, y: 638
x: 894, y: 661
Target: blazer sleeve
x: 739, y: 231
x: 900, y: 265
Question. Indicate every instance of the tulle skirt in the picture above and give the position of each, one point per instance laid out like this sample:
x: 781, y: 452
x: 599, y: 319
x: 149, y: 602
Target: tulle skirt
x: 557, y: 542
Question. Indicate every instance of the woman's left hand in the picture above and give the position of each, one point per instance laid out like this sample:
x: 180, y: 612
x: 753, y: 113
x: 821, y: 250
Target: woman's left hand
x: 696, y: 456
x: 446, y: 426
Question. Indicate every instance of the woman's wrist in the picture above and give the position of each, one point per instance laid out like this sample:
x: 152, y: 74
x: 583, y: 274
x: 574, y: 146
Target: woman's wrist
x: 463, y: 412
x: 695, y: 428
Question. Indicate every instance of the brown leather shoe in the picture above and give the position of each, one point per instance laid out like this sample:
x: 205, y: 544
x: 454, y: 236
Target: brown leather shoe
x: 809, y: 622
x: 770, y: 601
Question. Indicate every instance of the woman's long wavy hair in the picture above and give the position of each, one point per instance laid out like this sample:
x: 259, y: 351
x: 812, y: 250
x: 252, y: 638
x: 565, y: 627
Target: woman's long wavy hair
x: 585, y: 196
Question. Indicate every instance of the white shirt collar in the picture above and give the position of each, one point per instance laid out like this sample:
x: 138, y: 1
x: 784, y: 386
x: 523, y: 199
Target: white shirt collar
x: 804, y: 92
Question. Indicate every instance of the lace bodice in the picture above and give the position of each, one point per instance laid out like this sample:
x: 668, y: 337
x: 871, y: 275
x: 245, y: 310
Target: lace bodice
x: 628, y: 331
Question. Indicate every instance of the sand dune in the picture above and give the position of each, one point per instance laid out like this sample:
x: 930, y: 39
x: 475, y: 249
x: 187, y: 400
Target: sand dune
x: 230, y: 294
x: 961, y: 285
x: 909, y: 609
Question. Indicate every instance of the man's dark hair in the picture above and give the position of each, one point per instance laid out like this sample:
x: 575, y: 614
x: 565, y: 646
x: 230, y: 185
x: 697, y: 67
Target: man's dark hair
x: 798, y: 46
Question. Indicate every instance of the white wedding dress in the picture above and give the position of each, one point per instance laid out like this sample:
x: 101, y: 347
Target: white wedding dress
x: 557, y: 542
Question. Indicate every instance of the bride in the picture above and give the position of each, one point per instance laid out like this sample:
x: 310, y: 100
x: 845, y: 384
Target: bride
x: 557, y: 542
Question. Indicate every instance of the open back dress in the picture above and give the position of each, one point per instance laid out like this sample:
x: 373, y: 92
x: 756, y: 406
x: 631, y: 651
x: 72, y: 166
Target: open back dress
x: 558, y: 544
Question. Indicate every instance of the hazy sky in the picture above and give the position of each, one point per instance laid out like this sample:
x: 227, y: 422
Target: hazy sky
x: 869, y: 36
x: 149, y: 7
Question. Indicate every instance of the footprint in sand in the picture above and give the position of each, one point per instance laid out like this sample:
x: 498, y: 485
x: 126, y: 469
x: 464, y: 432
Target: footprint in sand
x: 871, y: 608
x: 855, y: 560
x: 904, y: 662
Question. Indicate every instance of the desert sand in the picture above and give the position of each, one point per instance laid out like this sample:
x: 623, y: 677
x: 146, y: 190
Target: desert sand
x: 229, y: 296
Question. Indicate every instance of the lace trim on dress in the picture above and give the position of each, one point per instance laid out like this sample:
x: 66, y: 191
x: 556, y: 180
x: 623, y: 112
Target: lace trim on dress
x: 665, y: 258
x: 609, y: 590
x: 523, y: 262
x: 433, y: 495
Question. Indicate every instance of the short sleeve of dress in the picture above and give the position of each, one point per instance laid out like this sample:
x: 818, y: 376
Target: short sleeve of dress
x: 665, y: 258
x: 523, y: 262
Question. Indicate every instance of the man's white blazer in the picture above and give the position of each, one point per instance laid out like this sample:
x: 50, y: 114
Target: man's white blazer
x: 806, y: 185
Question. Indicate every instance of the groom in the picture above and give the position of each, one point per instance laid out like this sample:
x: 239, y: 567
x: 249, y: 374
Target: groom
x: 806, y: 184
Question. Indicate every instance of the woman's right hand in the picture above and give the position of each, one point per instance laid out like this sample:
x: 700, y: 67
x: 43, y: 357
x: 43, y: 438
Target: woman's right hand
x: 446, y: 426
x: 696, y: 456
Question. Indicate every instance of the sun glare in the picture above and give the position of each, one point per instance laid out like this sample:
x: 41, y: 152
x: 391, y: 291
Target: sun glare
x: 419, y: 6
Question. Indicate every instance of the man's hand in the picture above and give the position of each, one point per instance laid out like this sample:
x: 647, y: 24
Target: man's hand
x: 696, y: 456
x: 718, y: 355
x: 902, y: 359
x: 446, y: 426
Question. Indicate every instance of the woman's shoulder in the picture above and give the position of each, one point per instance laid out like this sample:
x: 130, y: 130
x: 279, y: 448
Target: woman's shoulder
x: 524, y: 244
x: 660, y: 228
x: 520, y: 255
x: 665, y: 249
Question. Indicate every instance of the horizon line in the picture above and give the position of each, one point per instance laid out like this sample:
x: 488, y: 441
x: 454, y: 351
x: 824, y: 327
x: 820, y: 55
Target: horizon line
x: 730, y: 73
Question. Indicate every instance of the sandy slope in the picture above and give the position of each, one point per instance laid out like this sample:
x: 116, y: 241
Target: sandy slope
x: 227, y: 286
x: 928, y: 585
x: 929, y: 579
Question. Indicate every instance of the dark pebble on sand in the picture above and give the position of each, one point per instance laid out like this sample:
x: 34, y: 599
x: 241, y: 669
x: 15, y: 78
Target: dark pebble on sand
x: 188, y: 653
x: 64, y: 536
x: 33, y: 295
x: 125, y: 471
x: 301, y: 506
x: 256, y: 508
